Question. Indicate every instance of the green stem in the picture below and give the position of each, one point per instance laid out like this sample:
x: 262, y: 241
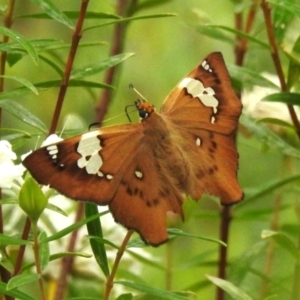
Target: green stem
x: 36, y: 248
x: 110, y: 279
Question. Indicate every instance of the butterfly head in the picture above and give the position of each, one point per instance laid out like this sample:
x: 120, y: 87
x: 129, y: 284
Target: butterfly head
x: 145, y: 108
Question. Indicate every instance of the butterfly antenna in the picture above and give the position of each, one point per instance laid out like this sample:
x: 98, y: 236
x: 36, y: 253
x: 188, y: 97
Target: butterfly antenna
x: 137, y: 92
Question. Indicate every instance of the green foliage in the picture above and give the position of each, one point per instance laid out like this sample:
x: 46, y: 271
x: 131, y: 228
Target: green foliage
x: 54, y: 62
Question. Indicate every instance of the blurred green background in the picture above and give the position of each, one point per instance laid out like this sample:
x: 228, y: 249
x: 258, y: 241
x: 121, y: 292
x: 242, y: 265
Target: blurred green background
x: 165, y: 50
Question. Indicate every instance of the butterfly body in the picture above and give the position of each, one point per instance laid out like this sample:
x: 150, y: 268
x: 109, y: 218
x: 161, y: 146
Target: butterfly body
x: 143, y: 170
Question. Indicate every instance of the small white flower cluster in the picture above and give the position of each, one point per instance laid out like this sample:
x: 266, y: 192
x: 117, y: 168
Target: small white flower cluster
x: 11, y: 178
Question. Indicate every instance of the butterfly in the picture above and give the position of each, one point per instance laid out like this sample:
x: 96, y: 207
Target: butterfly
x: 142, y: 170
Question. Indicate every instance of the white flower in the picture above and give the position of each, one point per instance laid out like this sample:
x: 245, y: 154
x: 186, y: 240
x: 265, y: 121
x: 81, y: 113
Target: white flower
x: 10, y: 174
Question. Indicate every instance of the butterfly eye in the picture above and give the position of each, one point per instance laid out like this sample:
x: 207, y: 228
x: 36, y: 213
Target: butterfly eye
x: 143, y: 114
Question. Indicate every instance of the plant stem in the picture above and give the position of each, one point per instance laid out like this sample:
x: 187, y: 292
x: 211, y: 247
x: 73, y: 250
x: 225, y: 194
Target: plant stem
x: 110, y: 279
x: 224, y: 234
x: 37, y: 259
x: 110, y: 76
x: 276, y: 60
x: 67, y: 262
x: 69, y: 64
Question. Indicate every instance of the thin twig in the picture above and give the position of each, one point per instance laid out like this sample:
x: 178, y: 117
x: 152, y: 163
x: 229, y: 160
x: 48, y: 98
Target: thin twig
x: 67, y: 261
x: 110, y: 280
x: 110, y: 76
x: 224, y: 236
x: 69, y: 64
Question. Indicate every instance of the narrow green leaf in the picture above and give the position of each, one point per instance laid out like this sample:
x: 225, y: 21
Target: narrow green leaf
x: 250, y: 78
x: 14, y: 293
x: 32, y: 200
x: 266, y: 189
x: 149, y: 4
x: 127, y: 296
x: 228, y: 287
x: 59, y: 256
x: 26, y: 45
x: 152, y: 291
x: 73, y: 227
x: 281, y: 20
x: 44, y: 251
x: 9, y: 240
x: 23, y: 81
x: 275, y: 122
x: 178, y: 232
x: 23, y: 114
x: 99, y: 67
x: 283, y: 241
x: 20, y: 280
x: 50, y: 9
x: 124, y: 20
x: 94, y: 228
x: 242, y: 34
x: 215, y: 33
x: 294, y: 64
x: 287, y: 6
x: 73, y: 15
x: 268, y: 137
x: 42, y: 86
x: 284, y: 97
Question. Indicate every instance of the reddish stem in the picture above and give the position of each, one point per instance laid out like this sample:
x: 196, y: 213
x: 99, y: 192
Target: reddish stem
x: 65, y: 81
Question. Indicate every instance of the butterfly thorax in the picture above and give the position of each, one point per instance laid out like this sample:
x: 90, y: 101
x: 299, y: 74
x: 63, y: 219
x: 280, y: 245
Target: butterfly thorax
x: 164, y: 143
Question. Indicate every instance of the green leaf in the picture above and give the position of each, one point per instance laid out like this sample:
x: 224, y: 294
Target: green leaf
x: 284, y: 97
x: 282, y: 240
x: 177, y: 232
x: 268, y: 137
x: 287, y: 6
x: 23, y: 114
x: 124, y: 20
x: 42, y: 86
x: 242, y: 34
x: 23, y: 81
x: 99, y: 67
x: 281, y: 20
x: 294, y: 64
x: 26, y: 45
x: 94, y: 228
x: 73, y: 15
x: 20, y: 280
x: 151, y: 291
x: 228, y: 287
x: 266, y: 189
x: 127, y: 296
x: 59, y: 256
x: 248, y: 77
x: 44, y: 251
x: 50, y: 9
x: 32, y: 200
x: 9, y: 240
x: 275, y: 121
x: 215, y: 33
x: 14, y: 293
x: 73, y: 227
x: 149, y: 4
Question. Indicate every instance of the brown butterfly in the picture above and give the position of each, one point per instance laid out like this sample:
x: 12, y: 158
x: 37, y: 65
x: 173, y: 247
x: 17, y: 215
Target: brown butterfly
x: 141, y: 170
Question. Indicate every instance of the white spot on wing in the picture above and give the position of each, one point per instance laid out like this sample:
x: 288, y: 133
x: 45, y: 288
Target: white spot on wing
x: 109, y: 177
x: 89, y: 148
x: 198, y: 142
x: 52, y: 151
x: 206, y: 95
x: 139, y: 174
x: 206, y: 66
